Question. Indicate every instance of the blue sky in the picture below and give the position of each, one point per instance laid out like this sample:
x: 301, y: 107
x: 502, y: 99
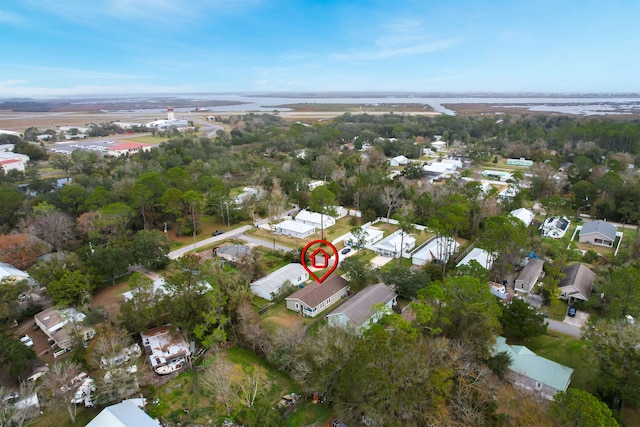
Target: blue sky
x: 78, y: 47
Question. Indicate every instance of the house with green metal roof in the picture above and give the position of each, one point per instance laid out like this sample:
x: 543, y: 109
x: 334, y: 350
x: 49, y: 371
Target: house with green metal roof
x: 533, y: 372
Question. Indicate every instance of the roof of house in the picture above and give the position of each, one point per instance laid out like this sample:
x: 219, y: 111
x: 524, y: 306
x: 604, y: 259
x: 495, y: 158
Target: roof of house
x: 529, y: 364
x: 315, y: 293
x: 359, y: 308
x: 295, y: 226
x: 305, y: 215
x: 394, y: 240
x: 400, y: 159
x: 54, y: 319
x: 531, y: 271
x: 272, y: 281
x: 524, y: 215
x: 233, y: 250
x: 8, y: 270
x: 124, y: 414
x: 439, y: 248
x: 162, y: 344
x: 579, y: 277
x: 601, y: 227
x: 484, y: 258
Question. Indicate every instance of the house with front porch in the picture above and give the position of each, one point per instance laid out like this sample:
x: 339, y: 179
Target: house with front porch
x: 395, y: 244
x: 361, y: 310
x: 598, y: 232
x: 577, y: 283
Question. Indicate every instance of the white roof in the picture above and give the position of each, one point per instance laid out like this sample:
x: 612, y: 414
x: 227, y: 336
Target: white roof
x: 484, y: 258
x: 273, y: 281
x: 124, y: 414
x: 393, y: 241
x: 305, y: 215
x: 295, y: 226
x: 524, y: 215
x: 158, y: 287
x: 439, y: 248
x: 438, y: 167
x: 8, y: 270
x: 401, y: 159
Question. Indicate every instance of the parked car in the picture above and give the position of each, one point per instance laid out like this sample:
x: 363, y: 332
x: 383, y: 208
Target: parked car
x: 217, y: 233
x: 345, y: 251
x: 572, y: 311
x: 337, y: 423
x: 26, y: 341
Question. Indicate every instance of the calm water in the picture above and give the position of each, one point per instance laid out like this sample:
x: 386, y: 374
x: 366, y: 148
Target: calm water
x: 256, y: 102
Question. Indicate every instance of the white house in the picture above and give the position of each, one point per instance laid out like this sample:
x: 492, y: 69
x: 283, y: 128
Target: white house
x: 598, y: 233
x: 360, y: 311
x: 295, y: 229
x: 315, y: 219
x: 248, y: 193
x: 315, y: 184
x: 269, y: 285
x: 524, y: 215
x: 438, y: 169
x: 127, y: 148
x: 438, y: 145
x: 371, y: 235
x: 482, y: 257
x: 399, y: 161
x: 497, y: 175
x: 167, y: 349
x: 60, y: 325
x: 13, y: 161
x: 158, y: 287
x: 555, y: 227
x: 395, y: 244
x: 457, y: 163
x: 438, y: 249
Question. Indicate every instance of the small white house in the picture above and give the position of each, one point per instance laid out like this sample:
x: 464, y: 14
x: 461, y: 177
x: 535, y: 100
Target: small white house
x: 315, y: 219
x: 269, y: 285
x: 524, y: 215
x: 399, y: 161
x: 482, y: 257
x: 438, y: 250
x: 371, y: 235
x: 395, y: 244
x: 9, y: 272
x: 293, y: 228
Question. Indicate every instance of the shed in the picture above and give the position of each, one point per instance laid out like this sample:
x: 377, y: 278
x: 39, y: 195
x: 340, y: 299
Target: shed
x: 524, y: 215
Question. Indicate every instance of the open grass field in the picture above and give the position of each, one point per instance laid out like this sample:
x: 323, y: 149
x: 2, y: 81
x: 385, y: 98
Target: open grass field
x: 148, y: 139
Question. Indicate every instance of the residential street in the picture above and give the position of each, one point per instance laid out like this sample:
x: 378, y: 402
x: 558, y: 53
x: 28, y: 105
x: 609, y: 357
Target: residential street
x: 264, y: 243
x: 228, y: 235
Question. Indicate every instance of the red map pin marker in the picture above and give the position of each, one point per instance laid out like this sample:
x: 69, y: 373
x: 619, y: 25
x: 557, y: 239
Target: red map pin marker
x: 320, y: 258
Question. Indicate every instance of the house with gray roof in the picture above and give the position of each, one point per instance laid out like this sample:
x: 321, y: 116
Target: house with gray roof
x: 598, y: 233
x: 269, y: 285
x: 124, y: 414
x: 529, y: 276
x: 316, y: 297
x: 233, y: 253
x: 533, y: 372
x: 577, y: 283
x: 360, y: 311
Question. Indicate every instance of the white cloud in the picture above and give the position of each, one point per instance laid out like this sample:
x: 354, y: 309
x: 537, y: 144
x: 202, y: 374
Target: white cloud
x: 11, y: 18
x: 71, y: 72
x: 393, y: 47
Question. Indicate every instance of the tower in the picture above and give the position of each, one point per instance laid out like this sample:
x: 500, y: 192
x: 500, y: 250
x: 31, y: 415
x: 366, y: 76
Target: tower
x: 170, y: 115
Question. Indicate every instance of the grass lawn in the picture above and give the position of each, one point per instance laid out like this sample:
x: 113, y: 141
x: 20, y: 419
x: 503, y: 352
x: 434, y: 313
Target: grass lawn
x: 278, y: 316
x: 261, y: 233
x: 149, y: 139
x: 207, y: 226
x: 567, y: 351
x: 59, y: 417
x: 308, y: 413
x: 557, y: 310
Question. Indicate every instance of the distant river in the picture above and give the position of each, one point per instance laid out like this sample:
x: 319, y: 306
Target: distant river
x: 567, y: 105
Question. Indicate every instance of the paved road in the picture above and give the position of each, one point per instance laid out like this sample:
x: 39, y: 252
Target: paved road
x: 265, y: 243
x: 564, y: 328
x: 228, y: 235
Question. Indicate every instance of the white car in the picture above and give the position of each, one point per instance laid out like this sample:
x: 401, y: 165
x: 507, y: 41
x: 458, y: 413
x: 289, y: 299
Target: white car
x: 26, y: 341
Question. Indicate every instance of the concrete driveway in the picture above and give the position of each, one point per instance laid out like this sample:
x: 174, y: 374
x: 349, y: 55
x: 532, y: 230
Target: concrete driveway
x: 379, y: 261
x: 581, y: 318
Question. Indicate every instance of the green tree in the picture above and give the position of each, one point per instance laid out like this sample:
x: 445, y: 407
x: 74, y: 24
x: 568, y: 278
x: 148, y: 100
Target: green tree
x: 322, y: 200
x: 622, y: 292
x: 614, y: 347
x: 577, y: 408
x: 16, y: 355
x: 145, y: 309
x: 520, y: 320
x: 405, y: 281
x: 150, y: 248
x: 12, y: 199
x: 505, y: 236
x: 359, y: 272
x: 71, y: 288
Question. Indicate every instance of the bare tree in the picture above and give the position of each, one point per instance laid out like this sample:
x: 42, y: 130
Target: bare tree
x: 57, y: 383
x: 250, y: 331
x: 235, y: 385
x: 54, y: 228
x: 390, y: 196
x: 277, y: 202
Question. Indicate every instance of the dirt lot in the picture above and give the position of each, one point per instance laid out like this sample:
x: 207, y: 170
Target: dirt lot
x: 110, y: 298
